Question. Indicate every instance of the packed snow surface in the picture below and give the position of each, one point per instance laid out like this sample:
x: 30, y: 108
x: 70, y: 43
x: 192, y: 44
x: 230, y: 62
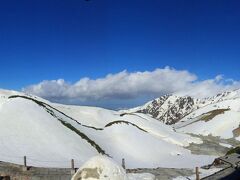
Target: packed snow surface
x: 104, y: 168
x: 202, y: 173
x: 100, y: 168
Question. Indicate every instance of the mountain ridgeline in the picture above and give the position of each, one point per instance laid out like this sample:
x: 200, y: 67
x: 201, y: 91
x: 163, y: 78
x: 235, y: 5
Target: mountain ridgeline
x: 170, y: 109
x: 51, y: 134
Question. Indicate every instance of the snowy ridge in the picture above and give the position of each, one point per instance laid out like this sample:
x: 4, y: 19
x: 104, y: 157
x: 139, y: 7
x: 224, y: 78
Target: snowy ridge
x: 51, y: 134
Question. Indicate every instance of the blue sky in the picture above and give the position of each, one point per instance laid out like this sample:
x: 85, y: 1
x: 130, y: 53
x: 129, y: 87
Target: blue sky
x: 71, y: 39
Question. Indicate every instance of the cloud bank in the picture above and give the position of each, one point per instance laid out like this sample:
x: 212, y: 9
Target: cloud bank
x: 131, y: 86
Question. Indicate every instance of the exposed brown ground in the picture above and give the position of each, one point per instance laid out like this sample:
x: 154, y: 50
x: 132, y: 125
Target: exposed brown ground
x: 211, y: 114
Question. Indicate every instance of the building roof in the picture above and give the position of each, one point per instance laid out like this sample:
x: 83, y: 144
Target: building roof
x: 233, y: 159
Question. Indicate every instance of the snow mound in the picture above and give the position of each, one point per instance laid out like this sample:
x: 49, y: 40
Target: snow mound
x: 100, y: 168
x: 141, y: 176
x: 104, y: 168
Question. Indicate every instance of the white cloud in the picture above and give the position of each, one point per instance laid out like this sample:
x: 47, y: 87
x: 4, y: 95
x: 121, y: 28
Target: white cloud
x: 130, y: 86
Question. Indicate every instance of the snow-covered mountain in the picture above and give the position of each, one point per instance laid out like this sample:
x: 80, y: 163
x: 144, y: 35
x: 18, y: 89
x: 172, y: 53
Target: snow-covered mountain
x: 51, y: 134
x: 220, y: 119
x: 172, y: 108
x: 217, y: 116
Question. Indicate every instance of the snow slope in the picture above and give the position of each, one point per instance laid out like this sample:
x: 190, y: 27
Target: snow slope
x: 28, y: 130
x: 51, y: 134
x: 220, y: 119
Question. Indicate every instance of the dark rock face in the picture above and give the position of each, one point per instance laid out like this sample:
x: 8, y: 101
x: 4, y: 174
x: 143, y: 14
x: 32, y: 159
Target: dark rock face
x: 169, y: 109
x: 153, y: 108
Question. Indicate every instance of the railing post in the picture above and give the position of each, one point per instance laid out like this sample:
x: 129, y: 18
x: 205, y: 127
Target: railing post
x: 72, y: 163
x: 24, y: 163
x: 72, y: 167
x: 123, y: 163
x: 197, y: 174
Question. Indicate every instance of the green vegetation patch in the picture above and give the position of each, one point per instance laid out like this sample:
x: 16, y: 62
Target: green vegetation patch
x: 96, y: 146
x: 236, y: 132
x: 234, y: 150
x: 125, y: 122
x: 45, y: 105
x: 68, y: 125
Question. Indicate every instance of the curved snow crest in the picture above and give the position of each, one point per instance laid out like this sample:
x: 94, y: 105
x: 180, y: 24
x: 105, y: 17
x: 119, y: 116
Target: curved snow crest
x: 5, y: 94
x: 161, y: 130
x: 137, y: 120
x: 99, y: 118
